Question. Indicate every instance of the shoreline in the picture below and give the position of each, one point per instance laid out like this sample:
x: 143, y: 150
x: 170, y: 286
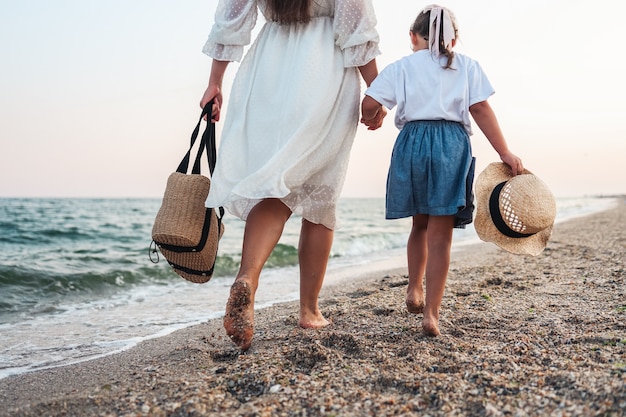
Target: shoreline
x: 68, y: 330
x: 520, y: 336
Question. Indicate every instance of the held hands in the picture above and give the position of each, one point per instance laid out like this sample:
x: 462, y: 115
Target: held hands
x: 376, y: 121
x: 213, y: 92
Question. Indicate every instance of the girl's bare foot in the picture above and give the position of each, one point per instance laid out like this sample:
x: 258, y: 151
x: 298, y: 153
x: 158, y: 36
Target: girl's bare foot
x: 430, y: 327
x: 312, y: 320
x: 239, y: 317
x: 430, y: 324
x: 415, y: 296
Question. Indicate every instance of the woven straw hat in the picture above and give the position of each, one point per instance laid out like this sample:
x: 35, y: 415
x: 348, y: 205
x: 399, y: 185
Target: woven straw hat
x: 514, y: 212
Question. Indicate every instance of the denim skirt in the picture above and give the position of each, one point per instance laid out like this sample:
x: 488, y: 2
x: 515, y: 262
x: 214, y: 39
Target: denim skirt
x: 431, y: 172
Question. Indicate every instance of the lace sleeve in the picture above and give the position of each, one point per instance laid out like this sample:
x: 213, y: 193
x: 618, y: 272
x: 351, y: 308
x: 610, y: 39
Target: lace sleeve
x: 234, y: 21
x: 355, y: 31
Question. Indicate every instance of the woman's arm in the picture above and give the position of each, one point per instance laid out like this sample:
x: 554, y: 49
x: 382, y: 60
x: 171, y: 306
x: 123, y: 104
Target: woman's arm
x: 369, y: 71
x: 214, y: 89
x: 372, y: 112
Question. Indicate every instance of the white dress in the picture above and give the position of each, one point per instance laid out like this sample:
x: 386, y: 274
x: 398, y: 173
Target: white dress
x: 294, y: 105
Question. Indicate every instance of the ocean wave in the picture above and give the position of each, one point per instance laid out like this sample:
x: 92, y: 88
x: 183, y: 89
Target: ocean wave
x: 24, y: 288
x: 62, y: 251
x: 88, y: 276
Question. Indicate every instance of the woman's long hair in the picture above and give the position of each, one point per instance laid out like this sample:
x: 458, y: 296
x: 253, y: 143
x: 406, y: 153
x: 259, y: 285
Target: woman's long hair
x: 290, y: 11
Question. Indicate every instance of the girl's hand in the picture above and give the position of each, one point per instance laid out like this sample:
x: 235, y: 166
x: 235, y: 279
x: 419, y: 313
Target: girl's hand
x: 376, y: 121
x: 213, y: 92
x: 513, y: 161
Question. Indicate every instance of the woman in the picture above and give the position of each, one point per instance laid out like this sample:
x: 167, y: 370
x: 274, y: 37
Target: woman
x: 285, y: 144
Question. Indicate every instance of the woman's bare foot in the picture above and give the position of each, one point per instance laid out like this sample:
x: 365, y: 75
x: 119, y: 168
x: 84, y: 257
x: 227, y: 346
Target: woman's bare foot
x: 430, y: 324
x: 239, y: 317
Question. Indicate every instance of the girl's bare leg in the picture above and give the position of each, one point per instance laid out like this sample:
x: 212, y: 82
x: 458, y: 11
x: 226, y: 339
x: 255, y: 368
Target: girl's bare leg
x: 264, y: 227
x: 313, y: 252
x: 417, y: 252
x: 439, y: 237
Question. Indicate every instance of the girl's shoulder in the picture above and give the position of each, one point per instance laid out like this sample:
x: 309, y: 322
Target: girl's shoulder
x: 415, y: 59
x: 423, y: 59
x: 400, y: 61
x: 465, y: 60
x: 395, y: 66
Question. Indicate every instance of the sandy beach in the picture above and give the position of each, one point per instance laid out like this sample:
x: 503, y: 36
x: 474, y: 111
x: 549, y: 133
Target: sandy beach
x: 521, y: 336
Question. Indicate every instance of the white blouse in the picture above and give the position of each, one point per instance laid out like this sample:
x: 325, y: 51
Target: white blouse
x: 354, y: 27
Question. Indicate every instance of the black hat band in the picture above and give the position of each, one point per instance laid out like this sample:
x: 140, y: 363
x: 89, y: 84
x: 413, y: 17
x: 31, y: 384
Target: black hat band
x: 496, y: 216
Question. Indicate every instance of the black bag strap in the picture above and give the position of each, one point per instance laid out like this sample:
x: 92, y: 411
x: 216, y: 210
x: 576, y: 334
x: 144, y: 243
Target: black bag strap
x: 207, y: 142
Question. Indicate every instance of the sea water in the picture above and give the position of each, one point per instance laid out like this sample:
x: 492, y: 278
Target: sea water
x: 77, y: 282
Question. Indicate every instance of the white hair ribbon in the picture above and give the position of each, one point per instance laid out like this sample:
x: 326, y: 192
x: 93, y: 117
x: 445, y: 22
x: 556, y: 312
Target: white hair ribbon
x: 435, y: 28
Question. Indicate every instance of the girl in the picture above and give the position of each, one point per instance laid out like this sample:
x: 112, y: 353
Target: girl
x: 431, y: 172
x: 285, y: 143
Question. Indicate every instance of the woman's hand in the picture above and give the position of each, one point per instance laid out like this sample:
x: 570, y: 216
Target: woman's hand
x: 372, y: 113
x: 214, y: 93
x: 214, y: 90
x: 376, y: 121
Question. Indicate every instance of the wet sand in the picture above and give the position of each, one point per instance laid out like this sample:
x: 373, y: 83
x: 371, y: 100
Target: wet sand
x: 520, y: 336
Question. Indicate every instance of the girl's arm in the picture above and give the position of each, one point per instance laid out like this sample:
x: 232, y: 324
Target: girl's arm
x: 214, y: 89
x: 486, y: 120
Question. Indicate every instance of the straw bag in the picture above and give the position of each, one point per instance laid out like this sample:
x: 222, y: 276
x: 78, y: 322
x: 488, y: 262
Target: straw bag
x: 186, y: 232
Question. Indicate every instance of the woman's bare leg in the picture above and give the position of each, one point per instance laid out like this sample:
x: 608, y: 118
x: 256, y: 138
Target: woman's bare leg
x: 439, y: 238
x: 313, y: 251
x: 417, y: 252
x: 264, y: 227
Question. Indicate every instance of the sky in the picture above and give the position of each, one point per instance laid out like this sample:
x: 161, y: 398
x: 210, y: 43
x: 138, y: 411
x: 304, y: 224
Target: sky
x: 98, y: 99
